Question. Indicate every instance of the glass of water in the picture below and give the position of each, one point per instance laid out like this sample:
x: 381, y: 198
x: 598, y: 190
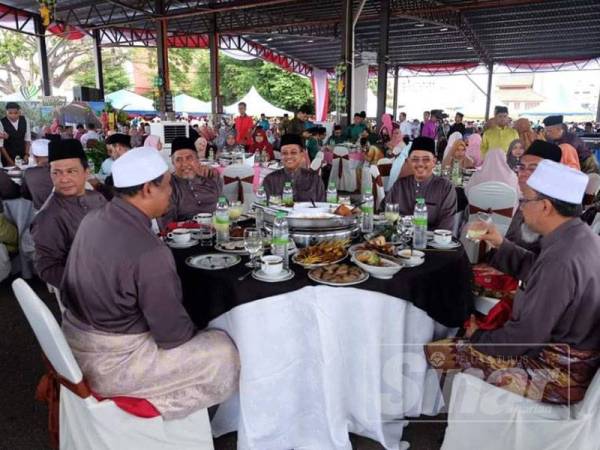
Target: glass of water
x: 253, y: 243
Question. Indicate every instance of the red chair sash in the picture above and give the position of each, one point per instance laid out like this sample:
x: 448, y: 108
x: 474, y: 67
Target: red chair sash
x: 384, y: 169
x: 506, y: 212
x: 341, y: 163
x: 248, y: 179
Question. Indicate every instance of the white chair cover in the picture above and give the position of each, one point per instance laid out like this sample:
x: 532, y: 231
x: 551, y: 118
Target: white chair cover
x: 346, y: 181
x: 593, y: 186
x: 277, y: 155
x: 88, y: 424
x: 375, y: 182
x: 317, y: 162
x: 245, y: 175
x: 250, y: 161
x: 482, y: 416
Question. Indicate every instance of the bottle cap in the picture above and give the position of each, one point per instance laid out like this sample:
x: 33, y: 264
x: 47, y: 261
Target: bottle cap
x: 368, y: 191
x: 280, y: 215
x: 222, y: 199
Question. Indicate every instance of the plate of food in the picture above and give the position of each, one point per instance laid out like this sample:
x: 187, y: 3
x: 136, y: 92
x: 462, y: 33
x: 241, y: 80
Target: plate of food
x: 236, y: 247
x: 212, y: 261
x: 378, y: 266
x: 321, y: 254
x: 338, y: 275
x: 377, y: 244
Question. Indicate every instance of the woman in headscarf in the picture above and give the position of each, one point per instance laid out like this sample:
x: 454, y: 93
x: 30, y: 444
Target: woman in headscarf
x: 494, y: 168
x: 374, y: 154
x: 153, y: 141
x: 261, y: 145
x: 515, y: 151
x: 458, y: 152
x: 526, y: 134
x: 230, y: 145
x: 456, y: 136
x: 396, y: 142
x: 474, y: 149
x: 201, y: 143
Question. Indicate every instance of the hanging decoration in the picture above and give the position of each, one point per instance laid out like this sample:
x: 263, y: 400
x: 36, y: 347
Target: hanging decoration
x: 47, y: 11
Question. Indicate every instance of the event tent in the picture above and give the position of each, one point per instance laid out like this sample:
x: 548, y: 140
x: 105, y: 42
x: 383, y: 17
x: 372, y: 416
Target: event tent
x: 184, y: 103
x: 130, y: 101
x: 256, y: 105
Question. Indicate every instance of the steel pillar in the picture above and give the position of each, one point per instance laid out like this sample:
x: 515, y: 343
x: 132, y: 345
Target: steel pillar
x: 382, y: 58
x: 98, y: 62
x: 488, y: 99
x: 347, y: 58
x: 43, y: 55
x: 215, y: 75
x: 395, y: 104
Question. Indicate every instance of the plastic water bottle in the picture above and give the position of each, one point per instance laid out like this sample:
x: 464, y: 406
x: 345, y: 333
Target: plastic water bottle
x: 288, y: 194
x: 18, y: 161
x: 332, y: 195
x: 456, y: 173
x: 420, y: 224
x: 367, y: 212
x: 221, y: 221
x: 261, y: 196
x: 91, y: 166
x: 437, y: 170
x: 281, y: 237
x: 211, y: 155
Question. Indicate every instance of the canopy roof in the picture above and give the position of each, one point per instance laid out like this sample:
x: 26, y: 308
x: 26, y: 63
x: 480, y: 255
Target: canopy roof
x: 130, y: 101
x: 188, y: 104
x: 256, y: 105
x: 301, y: 34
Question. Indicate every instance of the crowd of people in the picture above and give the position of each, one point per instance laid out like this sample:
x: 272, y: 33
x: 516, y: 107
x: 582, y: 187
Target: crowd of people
x: 94, y: 240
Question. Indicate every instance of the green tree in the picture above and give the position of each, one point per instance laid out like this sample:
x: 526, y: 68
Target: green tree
x: 115, y: 75
x: 284, y: 89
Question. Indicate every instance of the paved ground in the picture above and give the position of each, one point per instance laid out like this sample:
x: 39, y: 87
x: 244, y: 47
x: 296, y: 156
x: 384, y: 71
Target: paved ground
x: 23, y: 420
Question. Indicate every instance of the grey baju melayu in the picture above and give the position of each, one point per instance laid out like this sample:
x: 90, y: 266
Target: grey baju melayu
x: 37, y: 185
x: 126, y: 323
x: 439, y: 194
x: 307, y: 184
x: 53, y: 230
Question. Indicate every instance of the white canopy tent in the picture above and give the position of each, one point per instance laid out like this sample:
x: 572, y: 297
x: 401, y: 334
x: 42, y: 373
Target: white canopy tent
x: 130, y: 101
x: 187, y: 104
x: 256, y: 105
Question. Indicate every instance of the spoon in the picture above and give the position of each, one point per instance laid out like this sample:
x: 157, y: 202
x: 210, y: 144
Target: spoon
x: 243, y: 277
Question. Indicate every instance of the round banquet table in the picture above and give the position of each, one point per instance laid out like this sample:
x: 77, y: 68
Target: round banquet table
x: 441, y: 286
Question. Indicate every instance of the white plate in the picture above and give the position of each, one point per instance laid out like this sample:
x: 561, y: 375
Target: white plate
x: 331, y: 283
x: 406, y: 264
x: 450, y: 246
x: 259, y: 275
x: 314, y: 266
x: 187, y: 244
x: 213, y: 261
x: 237, y: 250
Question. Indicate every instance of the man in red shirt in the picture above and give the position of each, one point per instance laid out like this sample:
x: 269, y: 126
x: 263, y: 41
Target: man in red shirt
x: 243, y: 126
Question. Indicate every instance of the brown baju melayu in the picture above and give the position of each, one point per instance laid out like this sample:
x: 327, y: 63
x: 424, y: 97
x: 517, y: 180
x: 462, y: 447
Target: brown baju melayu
x: 37, y: 185
x: 307, y: 184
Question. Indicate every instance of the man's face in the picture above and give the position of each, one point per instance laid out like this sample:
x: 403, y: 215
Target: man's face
x: 426, y: 116
x: 242, y: 109
x: 554, y: 132
x: 230, y: 140
x: 358, y: 120
x: 68, y: 176
x: 301, y: 115
x: 422, y: 163
x: 118, y: 151
x: 402, y: 117
x: 501, y: 119
x: 185, y: 162
x: 528, y: 164
x: 458, y: 118
x: 532, y: 208
x: 161, y: 195
x: 13, y: 114
x: 337, y: 133
x: 460, y: 151
x: 291, y: 156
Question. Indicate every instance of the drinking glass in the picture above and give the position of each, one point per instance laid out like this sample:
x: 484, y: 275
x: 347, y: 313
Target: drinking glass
x: 478, y: 227
x: 205, y: 235
x: 405, y: 229
x: 259, y: 218
x: 253, y: 243
x: 344, y: 200
x: 235, y: 211
x: 392, y: 213
x: 275, y: 200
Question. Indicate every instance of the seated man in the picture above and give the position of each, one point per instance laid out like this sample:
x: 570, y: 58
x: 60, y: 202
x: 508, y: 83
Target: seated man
x: 438, y: 192
x: 53, y: 228
x: 307, y: 184
x: 337, y: 137
x: 196, y: 188
x: 124, y: 319
x: 116, y: 145
x: 518, y: 231
x: 37, y: 184
x: 8, y: 188
x: 549, y: 350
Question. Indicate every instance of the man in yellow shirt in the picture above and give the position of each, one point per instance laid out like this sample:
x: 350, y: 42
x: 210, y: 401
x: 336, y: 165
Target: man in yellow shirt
x: 500, y: 135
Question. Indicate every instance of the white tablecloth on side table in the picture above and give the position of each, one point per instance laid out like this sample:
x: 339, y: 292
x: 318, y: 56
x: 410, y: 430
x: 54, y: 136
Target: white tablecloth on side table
x: 321, y: 362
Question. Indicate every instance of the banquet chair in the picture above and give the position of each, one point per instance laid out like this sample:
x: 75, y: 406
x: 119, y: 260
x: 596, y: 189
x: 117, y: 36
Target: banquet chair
x: 496, y: 198
x: 250, y: 161
x: 374, y: 181
x: 592, y: 188
x: 483, y: 416
x: 238, y: 182
x: 385, y: 166
x: 317, y: 162
x: 86, y: 423
x: 342, y: 174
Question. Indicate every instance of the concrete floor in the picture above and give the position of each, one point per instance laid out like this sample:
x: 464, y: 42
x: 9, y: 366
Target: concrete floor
x: 23, y: 421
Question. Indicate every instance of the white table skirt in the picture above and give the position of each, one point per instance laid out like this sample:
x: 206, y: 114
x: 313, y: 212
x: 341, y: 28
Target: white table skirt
x: 321, y: 362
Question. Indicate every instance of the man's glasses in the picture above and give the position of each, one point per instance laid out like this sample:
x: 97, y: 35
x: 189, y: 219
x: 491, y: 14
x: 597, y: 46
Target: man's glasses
x: 420, y: 160
x: 523, y: 168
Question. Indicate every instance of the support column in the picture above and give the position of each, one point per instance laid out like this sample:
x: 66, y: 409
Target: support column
x: 162, y: 48
x: 395, y: 105
x: 488, y: 100
x: 215, y: 91
x: 382, y: 57
x: 347, y: 59
x: 598, y: 110
x: 40, y: 31
x: 98, y: 62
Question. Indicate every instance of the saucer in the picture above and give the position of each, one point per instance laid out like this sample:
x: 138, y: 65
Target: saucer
x: 284, y: 275
x: 187, y: 244
x: 449, y: 246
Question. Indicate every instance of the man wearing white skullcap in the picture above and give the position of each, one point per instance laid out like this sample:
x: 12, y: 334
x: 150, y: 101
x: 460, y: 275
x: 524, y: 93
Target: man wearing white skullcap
x: 37, y: 183
x: 121, y: 280
x: 550, y: 346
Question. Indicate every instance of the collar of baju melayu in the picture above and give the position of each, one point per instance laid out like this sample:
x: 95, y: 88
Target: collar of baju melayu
x: 292, y: 174
x: 561, y: 232
x: 132, y: 212
x: 70, y: 198
x: 424, y: 183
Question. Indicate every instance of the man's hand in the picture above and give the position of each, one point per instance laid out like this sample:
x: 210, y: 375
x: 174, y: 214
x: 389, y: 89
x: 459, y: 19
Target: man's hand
x: 204, y: 171
x: 487, y: 232
x: 3, y: 135
x: 472, y: 328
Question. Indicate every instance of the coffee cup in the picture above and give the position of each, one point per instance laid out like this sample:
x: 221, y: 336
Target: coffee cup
x: 443, y: 237
x: 203, y: 219
x: 412, y: 257
x: 271, y: 264
x: 180, y: 235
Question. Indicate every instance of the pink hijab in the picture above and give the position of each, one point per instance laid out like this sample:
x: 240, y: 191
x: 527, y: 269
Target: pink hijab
x: 474, y: 149
x: 152, y: 141
x: 494, y: 168
x: 386, y: 122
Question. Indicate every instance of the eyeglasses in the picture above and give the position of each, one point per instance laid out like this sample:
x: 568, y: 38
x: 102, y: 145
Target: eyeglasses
x: 524, y: 201
x: 420, y: 160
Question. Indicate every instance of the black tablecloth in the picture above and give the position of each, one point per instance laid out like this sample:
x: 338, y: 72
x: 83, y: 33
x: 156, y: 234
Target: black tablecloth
x: 441, y: 286
x: 461, y: 199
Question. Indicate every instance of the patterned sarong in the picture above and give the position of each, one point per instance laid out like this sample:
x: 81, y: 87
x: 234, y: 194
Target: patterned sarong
x: 559, y: 374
